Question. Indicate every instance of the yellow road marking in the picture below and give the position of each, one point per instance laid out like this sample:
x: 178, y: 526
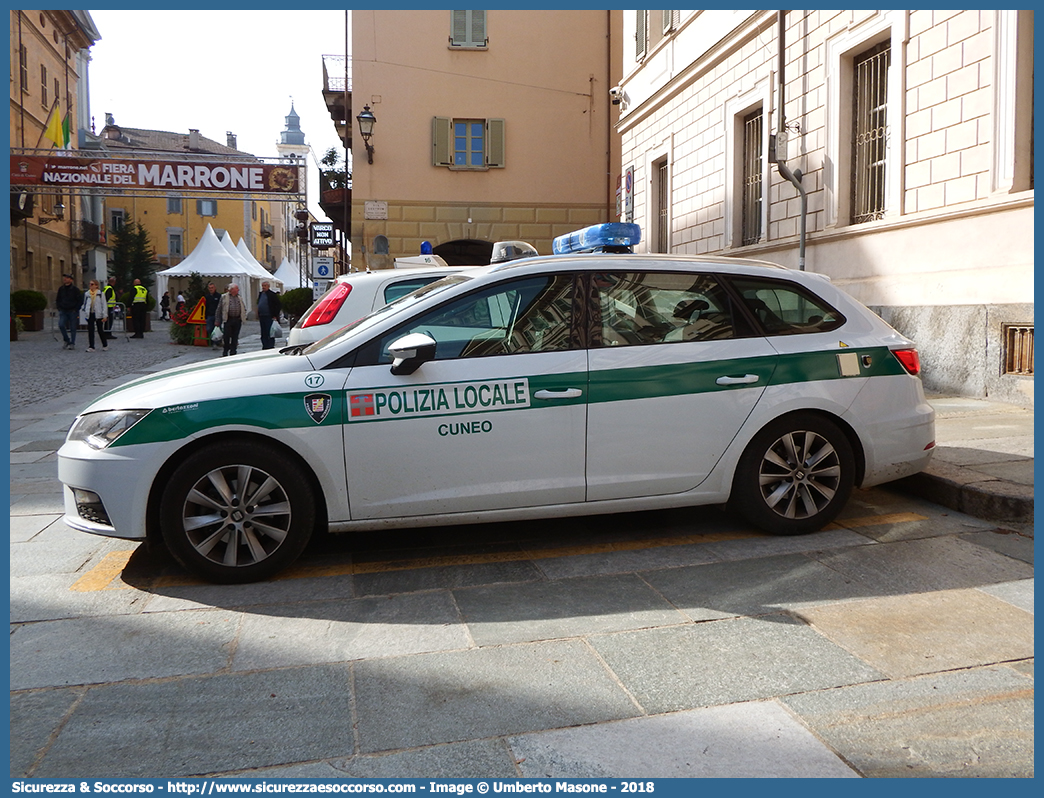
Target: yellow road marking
x: 102, y: 575
x: 106, y: 574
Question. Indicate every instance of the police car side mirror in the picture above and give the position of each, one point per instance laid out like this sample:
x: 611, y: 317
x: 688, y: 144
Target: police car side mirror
x: 410, y: 351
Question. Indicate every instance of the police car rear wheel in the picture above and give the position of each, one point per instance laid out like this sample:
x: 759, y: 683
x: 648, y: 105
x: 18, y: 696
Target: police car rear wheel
x: 236, y: 513
x: 795, y: 476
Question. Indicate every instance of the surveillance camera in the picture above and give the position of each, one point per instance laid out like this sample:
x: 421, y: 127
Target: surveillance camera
x: 617, y: 94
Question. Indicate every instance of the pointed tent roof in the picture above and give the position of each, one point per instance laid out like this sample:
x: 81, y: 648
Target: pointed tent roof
x: 250, y: 260
x: 210, y: 259
x: 289, y: 275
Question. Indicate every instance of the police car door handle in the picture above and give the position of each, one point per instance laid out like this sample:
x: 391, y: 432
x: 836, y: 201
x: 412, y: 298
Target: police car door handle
x: 746, y: 379
x: 568, y: 393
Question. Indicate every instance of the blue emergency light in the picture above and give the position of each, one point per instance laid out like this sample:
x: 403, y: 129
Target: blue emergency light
x: 610, y: 237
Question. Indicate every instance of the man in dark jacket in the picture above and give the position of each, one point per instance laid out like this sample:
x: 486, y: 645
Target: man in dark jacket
x: 210, y: 299
x: 268, y: 308
x: 67, y: 300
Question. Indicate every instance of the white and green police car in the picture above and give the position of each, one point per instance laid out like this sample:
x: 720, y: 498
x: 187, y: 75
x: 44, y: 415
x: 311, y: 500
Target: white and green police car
x: 574, y: 384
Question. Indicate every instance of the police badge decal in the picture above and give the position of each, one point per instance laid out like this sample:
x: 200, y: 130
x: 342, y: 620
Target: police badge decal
x: 318, y: 406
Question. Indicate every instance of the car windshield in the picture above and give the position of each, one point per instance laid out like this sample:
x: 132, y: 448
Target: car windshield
x: 395, y: 306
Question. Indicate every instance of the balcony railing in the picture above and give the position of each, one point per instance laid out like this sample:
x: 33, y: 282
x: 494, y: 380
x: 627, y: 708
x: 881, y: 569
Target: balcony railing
x: 337, y: 71
x: 267, y: 231
x: 90, y: 232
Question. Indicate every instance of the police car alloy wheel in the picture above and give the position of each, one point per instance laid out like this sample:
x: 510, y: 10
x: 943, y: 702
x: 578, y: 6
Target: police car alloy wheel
x: 795, y: 475
x: 236, y: 513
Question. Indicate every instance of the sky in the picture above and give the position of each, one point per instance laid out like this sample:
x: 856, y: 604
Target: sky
x: 216, y: 71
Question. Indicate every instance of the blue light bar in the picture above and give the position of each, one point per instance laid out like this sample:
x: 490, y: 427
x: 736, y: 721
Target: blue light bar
x: 621, y: 236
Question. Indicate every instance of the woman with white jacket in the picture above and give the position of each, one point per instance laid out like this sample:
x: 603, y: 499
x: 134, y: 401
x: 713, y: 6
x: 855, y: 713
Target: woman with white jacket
x: 94, y: 311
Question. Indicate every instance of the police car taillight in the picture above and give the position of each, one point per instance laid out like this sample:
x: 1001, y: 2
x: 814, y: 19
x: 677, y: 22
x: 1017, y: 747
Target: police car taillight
x: 609, y: 237
x: 909, y: 359
x: 326, y: 310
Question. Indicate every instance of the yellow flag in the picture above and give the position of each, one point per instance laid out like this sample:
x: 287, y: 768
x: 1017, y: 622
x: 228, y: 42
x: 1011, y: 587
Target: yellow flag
x: 54, y: 130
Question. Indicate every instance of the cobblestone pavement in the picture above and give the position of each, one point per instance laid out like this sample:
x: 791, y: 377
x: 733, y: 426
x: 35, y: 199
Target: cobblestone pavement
x: 40, y: 368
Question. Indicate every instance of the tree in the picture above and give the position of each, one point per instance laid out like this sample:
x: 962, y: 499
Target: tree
x: 133, y: 257
x: 334, y: 177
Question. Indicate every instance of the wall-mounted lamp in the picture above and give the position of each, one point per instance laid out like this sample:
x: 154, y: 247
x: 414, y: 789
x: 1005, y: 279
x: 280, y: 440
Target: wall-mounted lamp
x: 59, y: 215
x: 366, y: 121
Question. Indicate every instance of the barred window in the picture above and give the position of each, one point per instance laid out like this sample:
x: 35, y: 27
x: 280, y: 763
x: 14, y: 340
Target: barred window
x: 752, y: 172
x: 870, y: 133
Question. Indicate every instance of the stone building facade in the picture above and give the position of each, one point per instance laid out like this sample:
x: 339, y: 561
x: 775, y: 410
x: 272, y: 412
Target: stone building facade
x: 911, y: 132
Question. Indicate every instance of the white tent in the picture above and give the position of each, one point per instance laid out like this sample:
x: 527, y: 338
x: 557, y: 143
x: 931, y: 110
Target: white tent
x: 210, y: 259
x: 252, y: 262
x: 289, y: 275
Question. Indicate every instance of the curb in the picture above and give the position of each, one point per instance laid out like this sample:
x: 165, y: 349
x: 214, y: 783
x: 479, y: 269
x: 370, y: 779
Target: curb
x: 971, y: 492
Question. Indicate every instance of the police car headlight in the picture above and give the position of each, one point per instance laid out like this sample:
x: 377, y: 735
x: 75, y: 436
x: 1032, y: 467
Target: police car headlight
x: 98, y: 430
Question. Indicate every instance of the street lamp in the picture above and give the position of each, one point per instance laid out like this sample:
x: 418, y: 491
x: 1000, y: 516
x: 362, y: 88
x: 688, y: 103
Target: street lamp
x: 59, y: 214
x: 366, y: 121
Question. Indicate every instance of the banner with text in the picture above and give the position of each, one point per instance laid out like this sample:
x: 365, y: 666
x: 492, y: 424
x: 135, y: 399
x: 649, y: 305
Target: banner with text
x: 189, y: 175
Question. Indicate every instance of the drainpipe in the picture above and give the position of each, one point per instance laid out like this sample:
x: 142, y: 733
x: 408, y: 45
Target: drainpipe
x: 781, y: 136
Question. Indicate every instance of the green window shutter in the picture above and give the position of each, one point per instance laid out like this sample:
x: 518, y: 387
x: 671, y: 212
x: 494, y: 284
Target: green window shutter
x: 495, y: 143
x: 468, y: 29
x: 478, y: 29
x: 441, y: 141
x: 459, y: 28
x: 641, y: 36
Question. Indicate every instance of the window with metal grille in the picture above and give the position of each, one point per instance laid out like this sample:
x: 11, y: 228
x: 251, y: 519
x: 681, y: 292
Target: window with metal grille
x: 662, y: 220
x: 752, y: 171
x: 1018, y: 349
x: 870, y: 133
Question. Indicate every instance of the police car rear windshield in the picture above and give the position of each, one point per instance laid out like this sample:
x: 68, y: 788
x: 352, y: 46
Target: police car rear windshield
x: 400, y: 304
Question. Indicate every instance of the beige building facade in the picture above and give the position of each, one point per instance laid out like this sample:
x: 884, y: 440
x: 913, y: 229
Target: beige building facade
x: 491, y: 125
x: 912, y: 135
x: 52, y: 232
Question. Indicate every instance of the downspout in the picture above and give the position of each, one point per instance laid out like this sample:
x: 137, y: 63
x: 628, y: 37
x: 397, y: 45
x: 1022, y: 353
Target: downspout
x: 609, y: 204
x: 793, y: 176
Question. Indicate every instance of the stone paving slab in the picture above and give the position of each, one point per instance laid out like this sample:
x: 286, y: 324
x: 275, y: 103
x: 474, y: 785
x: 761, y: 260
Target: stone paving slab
x: 103, y: 649
x: 1018, y: 594
x: 26, y: 527
x: 919, y: 566
x: 36, y: 716
x: 198, y: 726
x: 759, y: 586
x: 473, y: 759
x: 728, y: 661
x: 620, y: 562
x: 753, y: 740
x: 929, y: 632
x: 45, y: 597
x: 444, y: 577
x: 340, y: 631
x: 1012, y: 543
x: 501, y: 614
x: 405, y: 702
x: 965, y: 723
x: 57, y: 552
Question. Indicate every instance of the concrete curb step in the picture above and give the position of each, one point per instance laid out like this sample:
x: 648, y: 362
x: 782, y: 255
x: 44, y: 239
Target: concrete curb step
x: 971, y: 492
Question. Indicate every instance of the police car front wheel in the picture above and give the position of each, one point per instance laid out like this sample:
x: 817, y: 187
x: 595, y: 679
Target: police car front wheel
x: 236, y: 513
x: 795, y: 476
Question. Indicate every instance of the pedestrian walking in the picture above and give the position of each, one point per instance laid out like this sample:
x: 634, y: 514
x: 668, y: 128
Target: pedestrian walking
x: 268, y: 309
x: 210, y: 305
x: 67, y: 300
x: 110, y: 304
x: 94, y: 311
x: 139, y: 307
x: 229, y: 318
x: 165, y: 306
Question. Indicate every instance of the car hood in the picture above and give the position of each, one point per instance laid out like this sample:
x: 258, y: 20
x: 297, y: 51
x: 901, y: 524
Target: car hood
x: 241, y: 375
